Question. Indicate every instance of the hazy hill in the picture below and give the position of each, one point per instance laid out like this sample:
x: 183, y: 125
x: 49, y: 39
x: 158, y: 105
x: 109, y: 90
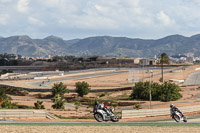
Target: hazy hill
x: 100, y: 45
x: 26, y: 46
x: 116, y: 46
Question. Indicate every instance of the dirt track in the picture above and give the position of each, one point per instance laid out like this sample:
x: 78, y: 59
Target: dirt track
x: 92, y: 129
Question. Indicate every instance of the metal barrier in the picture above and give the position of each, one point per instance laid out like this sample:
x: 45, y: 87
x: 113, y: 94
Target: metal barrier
x: 25, y: 114
x: 156, y: 112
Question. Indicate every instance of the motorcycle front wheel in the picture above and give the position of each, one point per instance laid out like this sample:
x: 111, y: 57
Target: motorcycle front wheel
x: 184, y: 119
x: 114, y: 118
x: 98, y: 117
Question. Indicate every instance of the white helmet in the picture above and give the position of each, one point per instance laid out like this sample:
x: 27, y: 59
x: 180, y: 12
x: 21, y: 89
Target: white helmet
x: 102, y: 105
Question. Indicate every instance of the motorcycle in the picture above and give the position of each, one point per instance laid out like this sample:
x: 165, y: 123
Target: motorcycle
x: 178, y: 116
x: 102, y: 113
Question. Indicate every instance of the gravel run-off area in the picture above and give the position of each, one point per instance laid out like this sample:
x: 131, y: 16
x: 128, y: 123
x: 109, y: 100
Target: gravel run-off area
x: 96, y: 129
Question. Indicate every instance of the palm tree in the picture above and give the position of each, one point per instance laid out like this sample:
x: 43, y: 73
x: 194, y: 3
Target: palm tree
x: 163, y: 59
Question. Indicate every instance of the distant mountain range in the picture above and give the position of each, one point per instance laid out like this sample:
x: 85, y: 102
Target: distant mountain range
x: 101, y: 46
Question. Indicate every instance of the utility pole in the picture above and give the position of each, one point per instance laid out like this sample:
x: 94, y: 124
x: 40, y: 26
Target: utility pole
x: 143, y: 69
x: 150, y: 95
x: 119, y: 61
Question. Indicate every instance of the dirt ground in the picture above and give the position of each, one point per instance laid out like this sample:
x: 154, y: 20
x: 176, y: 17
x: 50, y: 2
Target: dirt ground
x: 97, y: 129
x: 121, y: 80
x: 191, y: 94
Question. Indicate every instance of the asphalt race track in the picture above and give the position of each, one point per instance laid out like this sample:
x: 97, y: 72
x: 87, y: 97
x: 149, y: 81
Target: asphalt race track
x: 46, y: 83
x: 193, y: 79
x: 190, y: 121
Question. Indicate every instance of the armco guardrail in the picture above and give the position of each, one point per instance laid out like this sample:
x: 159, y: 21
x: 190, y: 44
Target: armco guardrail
x: 156, y: 112
x: 24, y: 114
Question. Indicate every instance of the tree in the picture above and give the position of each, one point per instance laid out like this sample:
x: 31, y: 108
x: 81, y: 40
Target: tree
x: 82, y: 88
x: 5, y: 101
x: 163, y: 59
x: 38, y: 105
x: 59, y: 88
x: 58, y: 102
x: 170, y: 92
x: 141, y: 91
x: 162, y: 92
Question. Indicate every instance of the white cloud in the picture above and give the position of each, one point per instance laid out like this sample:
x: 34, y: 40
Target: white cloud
x: 35, y: 21
x: 101, y: 8
x: 23, y: 5
x: 51, y: 3
x: 131, y: 18
x: 5, y: 1
x: 100, y: 23
x: 4, y: 19
x: 164, y: 18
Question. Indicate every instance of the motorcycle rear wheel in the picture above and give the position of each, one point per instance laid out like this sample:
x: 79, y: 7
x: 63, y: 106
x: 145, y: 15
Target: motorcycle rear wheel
x: 114, y: 118
x: 98, y: 117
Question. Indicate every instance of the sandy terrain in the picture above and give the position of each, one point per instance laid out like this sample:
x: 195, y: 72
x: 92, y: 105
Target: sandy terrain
x: 92, y: 129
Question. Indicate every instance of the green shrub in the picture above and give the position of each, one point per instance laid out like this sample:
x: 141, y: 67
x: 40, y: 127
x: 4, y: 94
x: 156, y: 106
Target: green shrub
x: 5, y: 100
x: 77, y: 105
x: 141, y: 91
x: 23, y: 106
x: 114, y: 105
x: 137, y: 107
x: 7, y: 103
x: 82, y: 88
x: 5, y: 71
x: 101, y: 94
x: 38, y: 105
x: 162, y: 92
x: 170, y: 92
x: 59, y: 88
x: 58, y: 102
x: 16, y: 92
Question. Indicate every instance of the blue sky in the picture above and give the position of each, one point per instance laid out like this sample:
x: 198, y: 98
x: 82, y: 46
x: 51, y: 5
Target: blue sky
x: 71, y: 19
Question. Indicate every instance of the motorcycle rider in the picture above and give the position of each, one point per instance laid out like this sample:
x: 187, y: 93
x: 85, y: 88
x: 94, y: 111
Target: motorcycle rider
x: 101, y: 106
x: 174, y: 108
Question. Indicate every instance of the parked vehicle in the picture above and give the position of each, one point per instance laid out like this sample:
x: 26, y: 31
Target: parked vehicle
x: 102, y: 113
x: 178, y: 116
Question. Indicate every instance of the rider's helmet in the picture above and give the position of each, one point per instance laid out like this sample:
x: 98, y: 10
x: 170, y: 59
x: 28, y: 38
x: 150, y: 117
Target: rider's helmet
x: 171, y: 105
x: 102, y: 105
